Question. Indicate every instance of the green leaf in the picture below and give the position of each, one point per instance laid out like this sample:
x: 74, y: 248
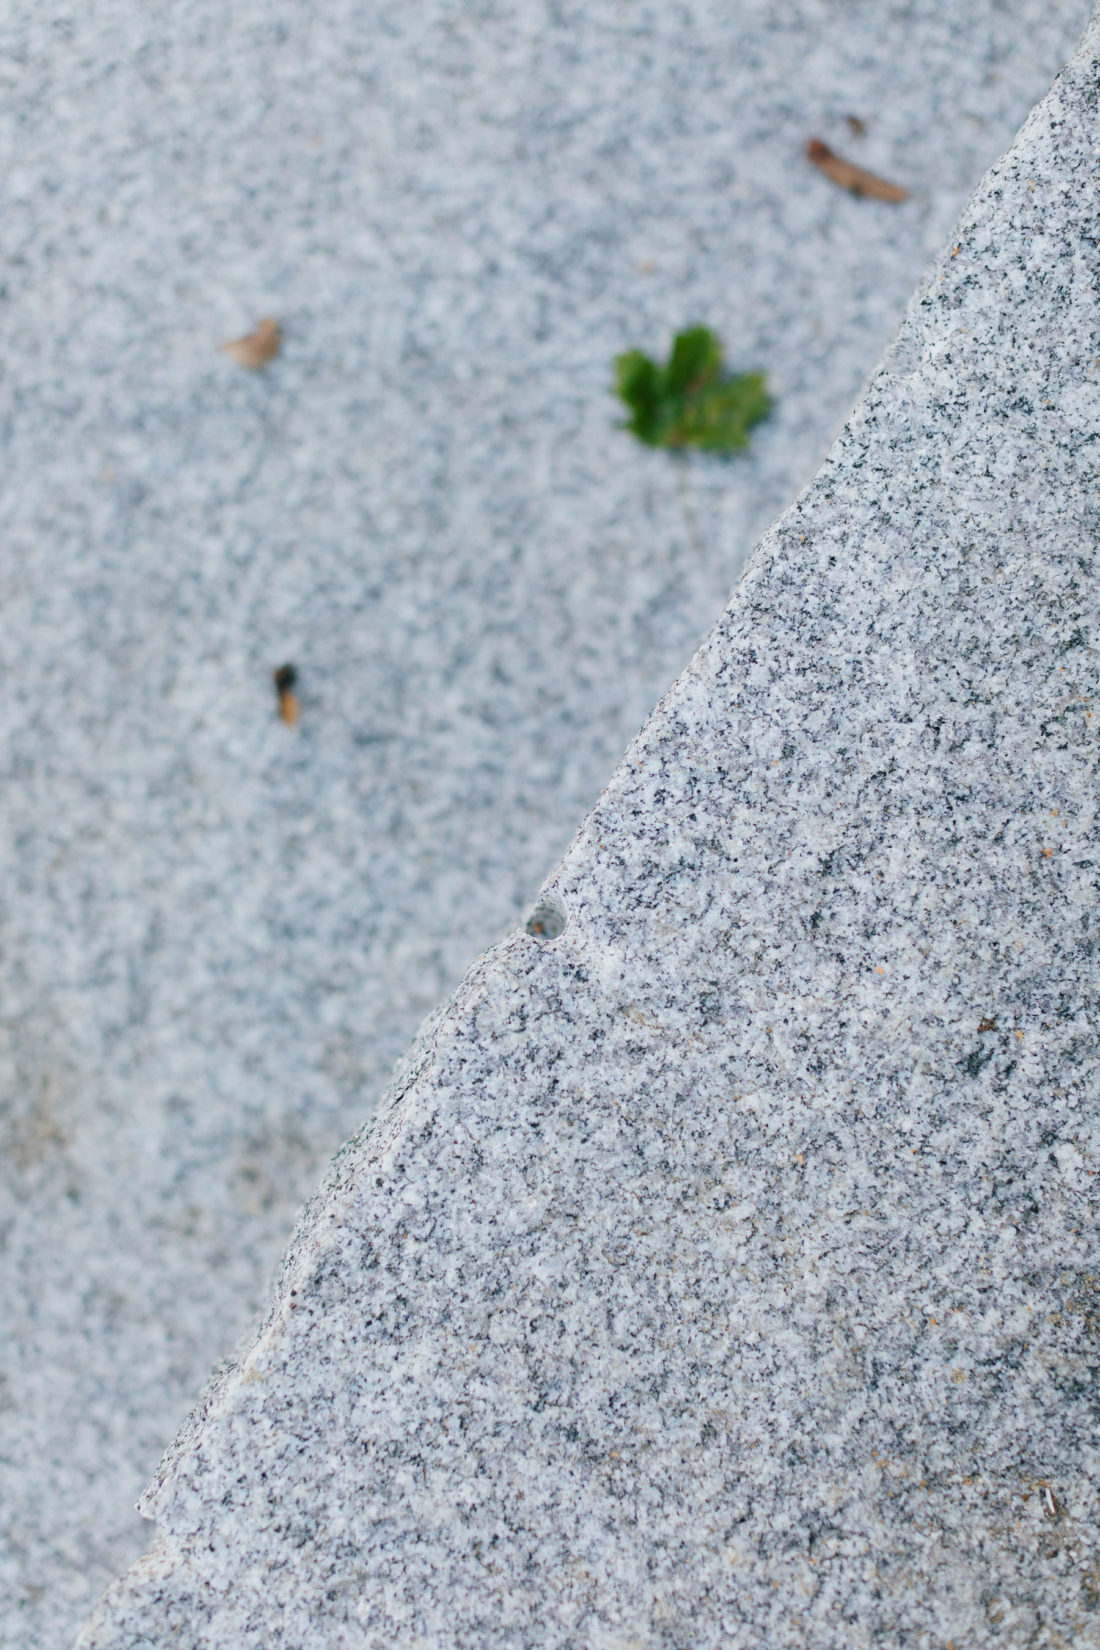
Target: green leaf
x: 637, y: 382
x: 695, y: 359
x: 688, y: 402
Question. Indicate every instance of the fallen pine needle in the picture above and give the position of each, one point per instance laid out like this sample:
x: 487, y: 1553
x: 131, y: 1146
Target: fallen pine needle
x: 257, y: 348
x: 854, y: 178
x: 286, y: 680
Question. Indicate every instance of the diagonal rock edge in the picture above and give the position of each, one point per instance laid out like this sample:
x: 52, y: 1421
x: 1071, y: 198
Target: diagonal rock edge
x: 724, y: 1271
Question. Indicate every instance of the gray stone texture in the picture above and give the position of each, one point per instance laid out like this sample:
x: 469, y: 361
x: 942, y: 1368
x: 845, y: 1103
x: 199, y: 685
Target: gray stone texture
x: 216, y: 935
x: 724, y: 1272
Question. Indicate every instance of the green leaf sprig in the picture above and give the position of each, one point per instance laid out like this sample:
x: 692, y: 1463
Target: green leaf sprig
x: 690, y: 402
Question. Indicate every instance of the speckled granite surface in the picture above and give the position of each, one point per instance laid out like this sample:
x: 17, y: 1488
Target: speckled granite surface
x: 218, y: 934
x: 724, y: 1271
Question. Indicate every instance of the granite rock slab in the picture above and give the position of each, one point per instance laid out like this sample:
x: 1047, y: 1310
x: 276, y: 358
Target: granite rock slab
x: 724, y: 1271
x: 217, y: 934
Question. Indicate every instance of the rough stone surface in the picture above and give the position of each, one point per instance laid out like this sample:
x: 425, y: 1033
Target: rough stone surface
x: 724, y: 1271
x: 217, y: 935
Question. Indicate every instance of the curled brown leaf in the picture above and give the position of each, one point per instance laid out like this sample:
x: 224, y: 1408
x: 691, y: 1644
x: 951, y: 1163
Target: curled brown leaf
x: 256, y: 348
x: 856, y: 179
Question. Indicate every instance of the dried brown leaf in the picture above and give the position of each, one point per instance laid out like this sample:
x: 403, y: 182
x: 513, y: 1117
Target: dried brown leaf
x: 854, y: 178
x: 257, y: 348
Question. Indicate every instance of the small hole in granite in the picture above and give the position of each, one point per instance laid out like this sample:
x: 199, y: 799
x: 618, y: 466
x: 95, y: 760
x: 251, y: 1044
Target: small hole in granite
x: 547, y: 920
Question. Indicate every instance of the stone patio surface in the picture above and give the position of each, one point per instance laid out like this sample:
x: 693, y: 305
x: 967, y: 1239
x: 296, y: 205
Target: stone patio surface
x: 219, y: 932
x: 723, y: 1272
